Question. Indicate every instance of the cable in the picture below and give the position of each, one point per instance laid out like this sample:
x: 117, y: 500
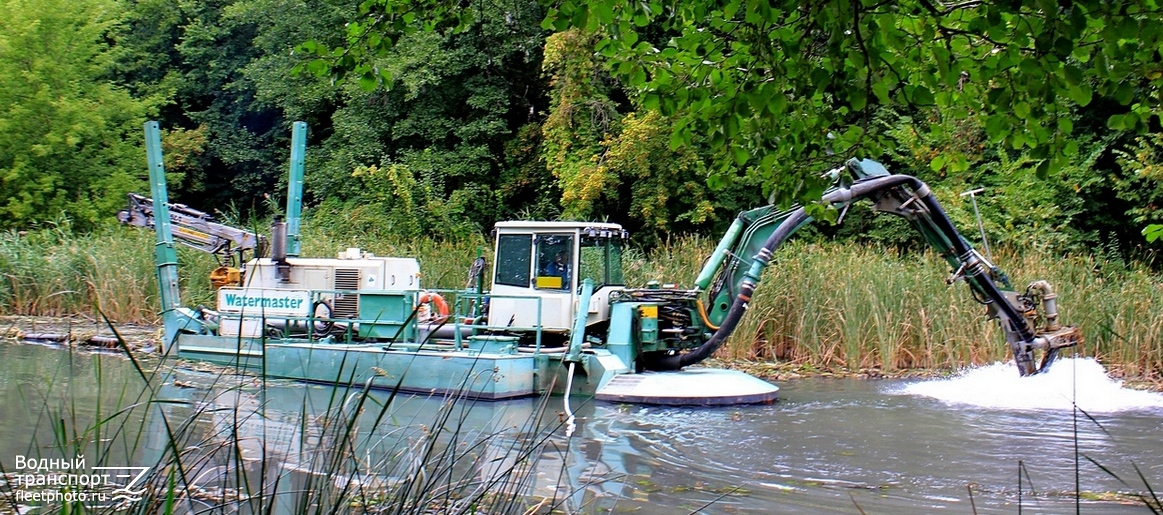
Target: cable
x: 703, y: 315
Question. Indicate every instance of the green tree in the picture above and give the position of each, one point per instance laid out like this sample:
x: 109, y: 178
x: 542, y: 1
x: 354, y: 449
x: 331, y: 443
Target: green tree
x: 581, y: 118
x: 448, y: 116
x: 777, y: 84
x: 777, y: 87
x: 69, y: 135
x: 189, y: 57
x: 614, y: 164
x: 1143, y: 182
x: 246, y: 142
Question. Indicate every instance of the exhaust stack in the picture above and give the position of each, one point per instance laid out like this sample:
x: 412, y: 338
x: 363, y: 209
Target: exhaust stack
x: 279, y: 249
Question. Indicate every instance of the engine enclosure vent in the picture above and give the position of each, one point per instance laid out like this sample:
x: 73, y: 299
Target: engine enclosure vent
x: 346, y: 305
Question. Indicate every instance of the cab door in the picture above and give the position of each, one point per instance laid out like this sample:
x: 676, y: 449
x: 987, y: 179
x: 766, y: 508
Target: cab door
x: 536, y: 267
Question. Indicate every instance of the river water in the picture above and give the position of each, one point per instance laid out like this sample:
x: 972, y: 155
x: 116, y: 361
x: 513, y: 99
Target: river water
x: 985, y: 441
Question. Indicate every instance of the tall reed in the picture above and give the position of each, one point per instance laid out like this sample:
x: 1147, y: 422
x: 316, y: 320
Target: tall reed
x: 210, y: 443
x: 56, y: 272
x: 825, y: 304
x: 443, y: 263
x: 837, y: 304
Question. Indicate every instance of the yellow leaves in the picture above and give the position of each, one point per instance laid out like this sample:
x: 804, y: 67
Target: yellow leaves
x: 664, y: 185
x: 365, y: 171
x: 602, y: 158
x: 583, y: 184
x: 569, y: 60
x: 633, y: 150
x: 703, y: 212
x: 1146, y: 159
x: 395, y: 183
x: 181, y: 147
x: 563, y: 47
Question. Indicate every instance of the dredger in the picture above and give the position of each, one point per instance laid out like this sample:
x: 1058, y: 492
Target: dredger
x: 557, y: 316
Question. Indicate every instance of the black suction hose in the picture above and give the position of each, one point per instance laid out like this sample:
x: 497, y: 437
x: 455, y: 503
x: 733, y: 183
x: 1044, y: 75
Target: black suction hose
x: 738, y: 307
x: 788, y: 226
x: 974, y: 267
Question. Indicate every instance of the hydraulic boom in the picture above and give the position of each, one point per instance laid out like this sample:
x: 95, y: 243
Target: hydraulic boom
x: 731, y: 275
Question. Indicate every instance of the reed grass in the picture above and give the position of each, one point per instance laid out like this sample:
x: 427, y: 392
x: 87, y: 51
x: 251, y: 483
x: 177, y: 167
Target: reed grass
x: 842, y: 305
x: 55, y: 272
x: 444, y: 264
x: 823, y: 304
x: 214, y: 447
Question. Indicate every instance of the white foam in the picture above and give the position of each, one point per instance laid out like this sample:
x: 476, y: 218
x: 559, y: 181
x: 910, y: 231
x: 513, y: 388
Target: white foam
x: 999, y: 386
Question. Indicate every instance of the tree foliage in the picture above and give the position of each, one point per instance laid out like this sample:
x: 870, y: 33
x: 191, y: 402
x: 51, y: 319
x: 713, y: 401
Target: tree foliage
x: 67, y: 131
x: 432, y: 117
x: 450, y: 117
x: 777, y: 87
x: 1142, y: 183
x: 775, y: 84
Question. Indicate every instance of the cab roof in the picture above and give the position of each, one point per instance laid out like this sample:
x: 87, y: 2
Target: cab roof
x: 534, y: 226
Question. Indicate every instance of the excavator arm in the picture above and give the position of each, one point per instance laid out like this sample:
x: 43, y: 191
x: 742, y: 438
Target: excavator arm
x: 194, y: 228
x: 732, y: 273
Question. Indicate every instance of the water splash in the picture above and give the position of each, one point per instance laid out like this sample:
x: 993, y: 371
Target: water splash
x: 998, y: 386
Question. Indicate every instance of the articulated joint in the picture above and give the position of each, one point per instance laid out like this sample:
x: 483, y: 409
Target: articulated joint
x: 842, y: 196
x: 1041, y: 343
x: 746, y: 289
x: 751, y: 276
x: 923, y: 191
x: 973, y: 263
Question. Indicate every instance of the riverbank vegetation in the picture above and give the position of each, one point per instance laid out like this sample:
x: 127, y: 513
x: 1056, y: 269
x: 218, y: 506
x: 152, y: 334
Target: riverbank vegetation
x: 823, y: 304
x: 510, y: 113
x: 428, y: 125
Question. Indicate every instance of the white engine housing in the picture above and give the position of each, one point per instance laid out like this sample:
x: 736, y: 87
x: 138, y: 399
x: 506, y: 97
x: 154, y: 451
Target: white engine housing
x: 350, y: 271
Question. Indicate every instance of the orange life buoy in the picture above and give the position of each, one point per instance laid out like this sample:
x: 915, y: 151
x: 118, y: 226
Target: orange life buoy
x: 441, y: 305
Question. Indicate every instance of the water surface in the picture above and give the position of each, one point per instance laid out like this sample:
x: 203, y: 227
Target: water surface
x: 828, y: 445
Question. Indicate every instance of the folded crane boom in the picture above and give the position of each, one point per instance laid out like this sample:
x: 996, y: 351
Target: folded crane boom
x: 195, y: 229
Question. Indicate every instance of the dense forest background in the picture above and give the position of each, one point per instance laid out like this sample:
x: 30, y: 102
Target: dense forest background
x: 505, y: 115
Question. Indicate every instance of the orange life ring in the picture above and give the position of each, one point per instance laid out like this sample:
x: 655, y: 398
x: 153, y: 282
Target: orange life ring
x: 442, y: 310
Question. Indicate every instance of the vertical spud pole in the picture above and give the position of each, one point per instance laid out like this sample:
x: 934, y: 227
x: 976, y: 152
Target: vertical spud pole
x: 166, y: 258
x: 295, y: 187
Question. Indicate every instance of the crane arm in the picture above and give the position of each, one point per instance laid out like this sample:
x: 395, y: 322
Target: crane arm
x: 194, y: 228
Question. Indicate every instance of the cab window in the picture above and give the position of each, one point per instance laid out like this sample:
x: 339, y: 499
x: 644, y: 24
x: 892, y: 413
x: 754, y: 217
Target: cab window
x: 554, y: 262
x: 513, y: 259
x: 601, y: 260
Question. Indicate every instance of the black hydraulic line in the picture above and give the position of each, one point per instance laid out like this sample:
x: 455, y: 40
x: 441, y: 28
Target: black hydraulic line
x: 857, y: 190
x: 738, y: 307
x: 975, y: 267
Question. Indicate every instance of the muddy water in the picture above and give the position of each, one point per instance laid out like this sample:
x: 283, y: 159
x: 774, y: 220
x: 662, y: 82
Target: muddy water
x: 828, y: 446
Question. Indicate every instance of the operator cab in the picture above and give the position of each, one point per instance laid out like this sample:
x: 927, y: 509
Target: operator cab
x: 539, y: 268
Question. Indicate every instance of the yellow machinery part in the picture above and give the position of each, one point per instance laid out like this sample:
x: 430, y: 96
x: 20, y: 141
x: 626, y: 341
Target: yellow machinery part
x: 225, y: 276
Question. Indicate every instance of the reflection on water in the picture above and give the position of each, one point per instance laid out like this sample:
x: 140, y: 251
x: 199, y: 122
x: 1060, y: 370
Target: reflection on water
x: 836, y: 446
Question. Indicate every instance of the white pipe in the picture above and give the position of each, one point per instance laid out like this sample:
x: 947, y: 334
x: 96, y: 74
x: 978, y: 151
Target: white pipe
x: 569, y: 420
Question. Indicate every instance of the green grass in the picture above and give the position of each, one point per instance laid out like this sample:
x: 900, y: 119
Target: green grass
x: 824, y: 304
x: 55, y: 272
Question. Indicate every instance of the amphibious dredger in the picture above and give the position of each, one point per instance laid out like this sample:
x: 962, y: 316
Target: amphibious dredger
x: 557, y: 318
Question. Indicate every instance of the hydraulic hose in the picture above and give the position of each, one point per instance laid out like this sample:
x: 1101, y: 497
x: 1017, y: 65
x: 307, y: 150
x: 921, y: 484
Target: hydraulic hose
x: 738, y: 307
x: 857, y: 190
